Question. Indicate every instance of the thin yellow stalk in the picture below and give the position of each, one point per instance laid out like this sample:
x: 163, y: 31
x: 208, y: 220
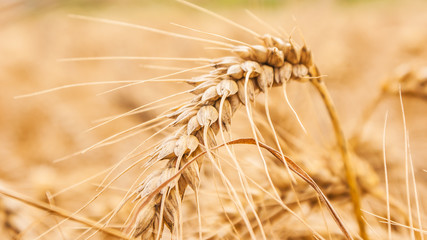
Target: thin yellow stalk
x: 63, y: 213
x: 345, y: 154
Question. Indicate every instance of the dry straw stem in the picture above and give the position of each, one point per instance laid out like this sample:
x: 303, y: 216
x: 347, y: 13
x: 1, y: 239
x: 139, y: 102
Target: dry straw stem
x: 62, y: 213
x: 345, y: 154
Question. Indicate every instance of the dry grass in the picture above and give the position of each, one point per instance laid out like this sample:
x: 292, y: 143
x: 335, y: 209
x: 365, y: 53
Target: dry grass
x: 128, y: 182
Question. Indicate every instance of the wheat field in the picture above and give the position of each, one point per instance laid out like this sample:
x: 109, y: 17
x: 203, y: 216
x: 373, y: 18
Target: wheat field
x: 220, y: 120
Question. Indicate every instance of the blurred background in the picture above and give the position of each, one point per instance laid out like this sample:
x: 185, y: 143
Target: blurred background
x: 357, y: 44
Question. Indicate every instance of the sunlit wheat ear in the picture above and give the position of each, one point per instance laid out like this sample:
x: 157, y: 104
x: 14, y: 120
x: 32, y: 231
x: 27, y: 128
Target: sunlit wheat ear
x: 233, y: 81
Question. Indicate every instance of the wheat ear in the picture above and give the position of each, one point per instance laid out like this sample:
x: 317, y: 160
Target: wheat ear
x: 411, y: 80
x: 233, y: 81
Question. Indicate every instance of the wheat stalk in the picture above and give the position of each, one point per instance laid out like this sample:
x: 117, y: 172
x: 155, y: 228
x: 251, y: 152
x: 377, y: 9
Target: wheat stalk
x: 63, y: 213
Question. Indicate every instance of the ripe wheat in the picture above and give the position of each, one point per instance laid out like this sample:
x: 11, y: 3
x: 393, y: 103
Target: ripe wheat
x: 233, y: 82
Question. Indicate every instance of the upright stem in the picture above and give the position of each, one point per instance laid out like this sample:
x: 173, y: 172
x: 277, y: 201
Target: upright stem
x: 343, y: 146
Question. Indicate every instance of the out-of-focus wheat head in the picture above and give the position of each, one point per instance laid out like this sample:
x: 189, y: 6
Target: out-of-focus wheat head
x: 409, y: 80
